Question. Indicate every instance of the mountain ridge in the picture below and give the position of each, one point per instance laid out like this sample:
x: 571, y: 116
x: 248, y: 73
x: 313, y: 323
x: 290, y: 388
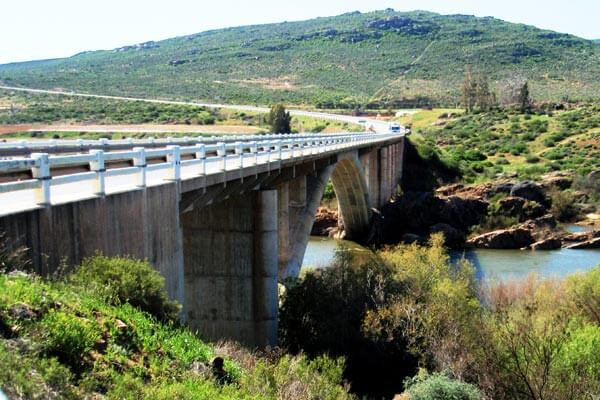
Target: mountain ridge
x: 381, y: 58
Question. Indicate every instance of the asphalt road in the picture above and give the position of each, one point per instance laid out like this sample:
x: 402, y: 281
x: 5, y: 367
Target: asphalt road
x: 377, y: 125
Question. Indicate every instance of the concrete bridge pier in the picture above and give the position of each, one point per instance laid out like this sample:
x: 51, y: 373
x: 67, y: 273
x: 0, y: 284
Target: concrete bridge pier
x: 231, y: 267
x: 299, y: 200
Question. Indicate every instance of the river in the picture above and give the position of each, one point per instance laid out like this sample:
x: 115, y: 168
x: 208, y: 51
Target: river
x: 490, y: 265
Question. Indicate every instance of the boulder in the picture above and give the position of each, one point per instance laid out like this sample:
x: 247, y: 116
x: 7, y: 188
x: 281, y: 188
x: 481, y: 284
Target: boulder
x: 594, y: 175
x: 453, y: 237
x: 513, y: 238
x: 530, y: 191
x: 462, y: 213
x: 544, y: 222
x: 552, y: 243
x: 325, y: 221
x: 557, y: 180
x: 588, y: 244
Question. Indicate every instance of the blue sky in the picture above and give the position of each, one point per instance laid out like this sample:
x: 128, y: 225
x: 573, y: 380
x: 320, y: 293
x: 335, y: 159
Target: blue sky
x: 36, y: 29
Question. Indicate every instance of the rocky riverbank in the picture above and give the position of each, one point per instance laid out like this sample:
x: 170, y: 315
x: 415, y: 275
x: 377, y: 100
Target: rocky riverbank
x: 501, y: 215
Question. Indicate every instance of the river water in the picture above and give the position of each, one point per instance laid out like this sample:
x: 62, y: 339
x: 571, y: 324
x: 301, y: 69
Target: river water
x: 490, y: 265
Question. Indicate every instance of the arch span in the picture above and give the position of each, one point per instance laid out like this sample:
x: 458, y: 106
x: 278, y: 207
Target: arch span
x: 350, y: 186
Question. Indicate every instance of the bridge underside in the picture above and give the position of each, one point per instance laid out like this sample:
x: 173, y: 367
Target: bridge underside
x: 222, y: 247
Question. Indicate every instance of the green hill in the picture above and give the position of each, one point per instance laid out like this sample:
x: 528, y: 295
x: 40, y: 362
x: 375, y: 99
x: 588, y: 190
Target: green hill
x: 384, y: 58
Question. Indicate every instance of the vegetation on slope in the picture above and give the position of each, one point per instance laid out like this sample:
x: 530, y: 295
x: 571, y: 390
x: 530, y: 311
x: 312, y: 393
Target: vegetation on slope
x: 504, y: 142
x: 383, y: 58
x: 96, y: 334
x: 408, y: 307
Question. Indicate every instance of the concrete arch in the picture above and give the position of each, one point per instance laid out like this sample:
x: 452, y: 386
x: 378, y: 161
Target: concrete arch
x: 350, y: 186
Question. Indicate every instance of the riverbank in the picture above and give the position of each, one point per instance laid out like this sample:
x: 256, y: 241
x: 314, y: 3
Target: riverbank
x: 409, y: 307
x: 505, y: 215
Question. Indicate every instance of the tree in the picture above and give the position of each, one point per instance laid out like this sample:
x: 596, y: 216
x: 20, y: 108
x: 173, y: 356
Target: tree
x: 476, y: 91
x: 468, y: 90
x: 524, y: 99
x: 484, y: 97
x: 280, y: 119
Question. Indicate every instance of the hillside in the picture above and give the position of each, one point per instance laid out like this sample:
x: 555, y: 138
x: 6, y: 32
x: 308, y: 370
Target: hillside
x: 78, y: 338
x: 503, y: 143
x: 384, y: 58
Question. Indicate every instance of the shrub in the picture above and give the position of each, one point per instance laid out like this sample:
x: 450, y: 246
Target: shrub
x: 125, y: 280
x: 439, y: 386
x: 564, y: 207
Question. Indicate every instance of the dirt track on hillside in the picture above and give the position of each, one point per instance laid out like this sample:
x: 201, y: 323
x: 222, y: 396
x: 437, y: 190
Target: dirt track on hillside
x: 142, y: 128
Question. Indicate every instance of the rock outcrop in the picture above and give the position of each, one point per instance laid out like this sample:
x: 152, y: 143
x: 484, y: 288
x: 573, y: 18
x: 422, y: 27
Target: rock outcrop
x: 325, y: 221
x: 520, y: 208
x: 513, y: 238
x: 552, y: 243
x: 588, y: 244
x: 530, y: 191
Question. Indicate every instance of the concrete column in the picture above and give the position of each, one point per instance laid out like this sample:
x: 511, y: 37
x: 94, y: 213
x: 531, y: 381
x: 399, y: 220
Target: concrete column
x: 302, y: 218
x: 231, y: 266
x: 283, y: 220
x: 266, y: 269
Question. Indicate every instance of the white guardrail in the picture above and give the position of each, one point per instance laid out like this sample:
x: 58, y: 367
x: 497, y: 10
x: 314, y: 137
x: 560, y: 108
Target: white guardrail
x: 201, y: 159
x: 77, y: 144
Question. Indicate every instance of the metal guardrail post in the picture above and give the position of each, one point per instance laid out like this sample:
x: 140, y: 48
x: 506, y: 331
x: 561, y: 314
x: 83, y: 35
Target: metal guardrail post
x: 41, y: 172
x: 174, y: 158
x: 139, y: 160
x: 97, y: 165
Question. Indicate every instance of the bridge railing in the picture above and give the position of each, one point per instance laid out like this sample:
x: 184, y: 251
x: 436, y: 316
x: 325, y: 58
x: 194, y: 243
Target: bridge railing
x: 21, y: 147
x: 140, y: 166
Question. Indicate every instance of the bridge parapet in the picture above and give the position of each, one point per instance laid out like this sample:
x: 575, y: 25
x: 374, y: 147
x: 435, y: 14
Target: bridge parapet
x: 42, y: 179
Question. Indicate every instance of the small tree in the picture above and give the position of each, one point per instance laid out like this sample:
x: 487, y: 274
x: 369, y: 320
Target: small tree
x: 476, y: 91
x: 484, y: 97
x: 524, y: 99
x: 469, y: 90
x: 280, y: 119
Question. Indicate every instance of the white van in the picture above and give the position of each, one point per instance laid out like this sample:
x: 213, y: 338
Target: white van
x: 394, y: 127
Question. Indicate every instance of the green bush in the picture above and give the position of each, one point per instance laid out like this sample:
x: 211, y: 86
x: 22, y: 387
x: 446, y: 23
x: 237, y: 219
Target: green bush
x: 440, y: 387
x: 564, y: 206
x: 125, y: 280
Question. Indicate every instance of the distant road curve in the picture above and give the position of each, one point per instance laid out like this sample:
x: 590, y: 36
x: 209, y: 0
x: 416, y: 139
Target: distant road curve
x: 378, y: 126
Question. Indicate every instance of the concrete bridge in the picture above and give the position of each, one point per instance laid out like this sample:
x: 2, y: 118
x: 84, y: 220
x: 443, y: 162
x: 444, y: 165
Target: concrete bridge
x: 223, y: 221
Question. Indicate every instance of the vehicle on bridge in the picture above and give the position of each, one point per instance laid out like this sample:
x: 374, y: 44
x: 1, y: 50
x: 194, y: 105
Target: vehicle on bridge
x: 394, y: 127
